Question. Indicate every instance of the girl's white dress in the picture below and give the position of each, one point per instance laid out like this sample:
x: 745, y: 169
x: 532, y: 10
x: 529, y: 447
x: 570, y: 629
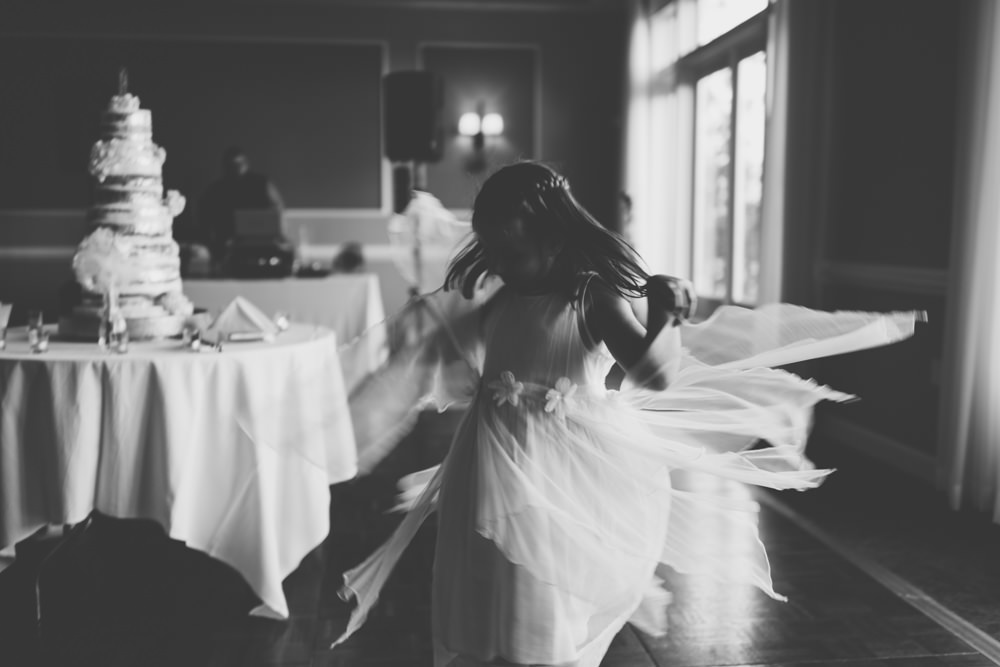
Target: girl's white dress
x: 554, y: 502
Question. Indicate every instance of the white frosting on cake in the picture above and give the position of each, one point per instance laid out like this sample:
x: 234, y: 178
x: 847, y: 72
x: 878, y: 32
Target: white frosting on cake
x: 136, y: 124
x: 158, y: 283
x: 131, y: 156
x: 154, y: 247
x: 147, y: 222
x: 129, y: 201
x: 150, y: 185
x: 112, y: 198
x: 126, y: 103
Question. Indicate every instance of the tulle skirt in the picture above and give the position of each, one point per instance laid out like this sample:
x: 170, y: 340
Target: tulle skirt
x: 552, y: 522
x: 551, y: 525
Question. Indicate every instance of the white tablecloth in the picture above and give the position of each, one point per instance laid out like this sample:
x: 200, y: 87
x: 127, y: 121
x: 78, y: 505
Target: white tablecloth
x: 232, y: 452
x: 348, y: 304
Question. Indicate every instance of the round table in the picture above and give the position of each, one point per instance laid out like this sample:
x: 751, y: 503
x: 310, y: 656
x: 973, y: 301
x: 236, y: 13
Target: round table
x: 232, y: 452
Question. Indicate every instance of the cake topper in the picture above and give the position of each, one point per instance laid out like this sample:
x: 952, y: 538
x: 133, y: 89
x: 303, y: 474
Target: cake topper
x: 122, y: 81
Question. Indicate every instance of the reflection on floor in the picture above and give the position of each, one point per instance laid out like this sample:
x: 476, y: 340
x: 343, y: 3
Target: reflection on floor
x: 896, y: 523
x: 123, y: 594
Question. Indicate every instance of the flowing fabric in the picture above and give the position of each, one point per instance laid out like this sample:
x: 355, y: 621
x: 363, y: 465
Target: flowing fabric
x: 555, y: 503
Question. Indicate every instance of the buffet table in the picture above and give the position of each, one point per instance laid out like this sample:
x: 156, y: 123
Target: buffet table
x: 348, y: 304
x: 232, y: 452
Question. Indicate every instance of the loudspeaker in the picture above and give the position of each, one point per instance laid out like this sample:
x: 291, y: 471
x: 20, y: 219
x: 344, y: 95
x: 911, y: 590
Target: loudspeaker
x: 411, y: 110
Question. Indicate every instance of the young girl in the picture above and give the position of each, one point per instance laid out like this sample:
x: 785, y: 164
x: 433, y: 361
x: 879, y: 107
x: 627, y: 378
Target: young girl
x: 554, y: 502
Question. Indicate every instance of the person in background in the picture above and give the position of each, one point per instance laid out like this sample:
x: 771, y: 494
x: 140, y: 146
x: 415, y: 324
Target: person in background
x: 238, y: 189
x: 625, y: 214
x: 350, y: 259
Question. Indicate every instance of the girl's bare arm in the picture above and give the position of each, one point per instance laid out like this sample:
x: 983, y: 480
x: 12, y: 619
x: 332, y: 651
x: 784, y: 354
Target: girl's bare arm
x: 610, y: 319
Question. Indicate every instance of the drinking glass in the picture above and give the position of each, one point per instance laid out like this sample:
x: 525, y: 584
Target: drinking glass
x: 36, y: 325
x: 4, y: 319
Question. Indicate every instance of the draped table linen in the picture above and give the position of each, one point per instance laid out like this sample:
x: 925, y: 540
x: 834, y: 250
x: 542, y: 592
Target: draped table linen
x: 348, y: 304
x: 232, y: 453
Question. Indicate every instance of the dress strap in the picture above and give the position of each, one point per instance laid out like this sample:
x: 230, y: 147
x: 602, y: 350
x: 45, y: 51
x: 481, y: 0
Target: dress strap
x: 585, y: 283
x: 581, y: 310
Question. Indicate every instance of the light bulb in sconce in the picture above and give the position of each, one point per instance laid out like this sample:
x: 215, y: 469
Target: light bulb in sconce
x: 469, y: 125
x: 477, y: 125
x: 492, y: 125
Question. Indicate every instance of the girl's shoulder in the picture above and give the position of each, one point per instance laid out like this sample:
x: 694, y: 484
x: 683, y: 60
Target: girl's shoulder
x: 603, y: 311
x: 592, y: 287
x: 599, y: 300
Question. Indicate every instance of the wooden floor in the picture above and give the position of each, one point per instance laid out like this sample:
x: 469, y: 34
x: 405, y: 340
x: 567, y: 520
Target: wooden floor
x: 122, y: 594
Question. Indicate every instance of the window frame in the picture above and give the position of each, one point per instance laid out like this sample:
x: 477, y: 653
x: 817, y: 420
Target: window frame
x: 723, y: 52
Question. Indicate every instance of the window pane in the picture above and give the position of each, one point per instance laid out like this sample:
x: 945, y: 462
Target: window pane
x: 716, y: 17
x: 714, y: 97
x: 751, y: 83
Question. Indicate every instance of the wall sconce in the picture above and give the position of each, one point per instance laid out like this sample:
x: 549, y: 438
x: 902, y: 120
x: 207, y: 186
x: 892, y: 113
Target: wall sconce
x: 477, y: 125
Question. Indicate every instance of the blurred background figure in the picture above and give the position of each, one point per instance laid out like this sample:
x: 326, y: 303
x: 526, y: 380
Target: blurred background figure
x: 350, y: 259
x: 196, y: 260
x: 624, y: 213
x: 239, y: 188
x: 425, y: 236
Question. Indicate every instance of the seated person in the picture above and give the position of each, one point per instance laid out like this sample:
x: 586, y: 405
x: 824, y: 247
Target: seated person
x: 196, y: 260
x: 238, y: 189
x: 350, y: 259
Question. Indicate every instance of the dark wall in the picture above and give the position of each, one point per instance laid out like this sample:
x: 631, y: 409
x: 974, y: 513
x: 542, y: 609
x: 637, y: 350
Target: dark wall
x: 884, y: 240
x: 500, y: 80
x: 309, y: 83
x: 894, y: 131
x: 306, y: 113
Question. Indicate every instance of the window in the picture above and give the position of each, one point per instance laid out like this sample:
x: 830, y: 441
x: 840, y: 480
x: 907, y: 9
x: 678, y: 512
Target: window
x: 708, y: 56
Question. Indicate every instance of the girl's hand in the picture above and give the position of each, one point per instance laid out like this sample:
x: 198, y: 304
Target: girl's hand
x: 670, y: 298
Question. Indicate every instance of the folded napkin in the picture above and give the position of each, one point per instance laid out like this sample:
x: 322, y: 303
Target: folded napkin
x: 241, y: 320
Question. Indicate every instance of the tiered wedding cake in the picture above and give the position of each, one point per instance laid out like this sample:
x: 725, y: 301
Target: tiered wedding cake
x: 131, y: 220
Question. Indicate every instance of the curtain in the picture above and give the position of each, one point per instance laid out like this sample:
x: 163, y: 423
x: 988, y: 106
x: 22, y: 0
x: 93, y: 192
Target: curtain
x: 970, y: 439
x: 659, y: 123
x: 775, y: 147
x: 657, y: 148
x: 798, y: 150
x: 647, y: 238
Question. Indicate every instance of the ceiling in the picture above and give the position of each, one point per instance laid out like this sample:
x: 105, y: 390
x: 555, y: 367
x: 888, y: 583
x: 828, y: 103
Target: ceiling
x: 472, y: 5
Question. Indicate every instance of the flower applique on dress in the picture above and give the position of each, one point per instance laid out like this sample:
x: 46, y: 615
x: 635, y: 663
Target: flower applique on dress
x: 558, y: 398
x: 507, y: 389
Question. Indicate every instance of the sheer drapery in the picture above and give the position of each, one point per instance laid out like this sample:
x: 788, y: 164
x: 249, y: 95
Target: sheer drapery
x: 637, y: 154
x: 970, y: 438
x: 656, y: 159
x: 775, y: 146
x: 658, y: 150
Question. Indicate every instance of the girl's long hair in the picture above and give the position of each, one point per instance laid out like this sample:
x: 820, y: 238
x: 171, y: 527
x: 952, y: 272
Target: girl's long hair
x: 540, y: 197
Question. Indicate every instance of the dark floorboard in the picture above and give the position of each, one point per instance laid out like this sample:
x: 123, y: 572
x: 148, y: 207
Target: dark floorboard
x: 905, y: 526
x: 122, y: 594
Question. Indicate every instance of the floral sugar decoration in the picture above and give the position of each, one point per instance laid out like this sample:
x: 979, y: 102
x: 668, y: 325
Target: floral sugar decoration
x: 176, y: 303
x: 175, y: 202
x: 101, y: 264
